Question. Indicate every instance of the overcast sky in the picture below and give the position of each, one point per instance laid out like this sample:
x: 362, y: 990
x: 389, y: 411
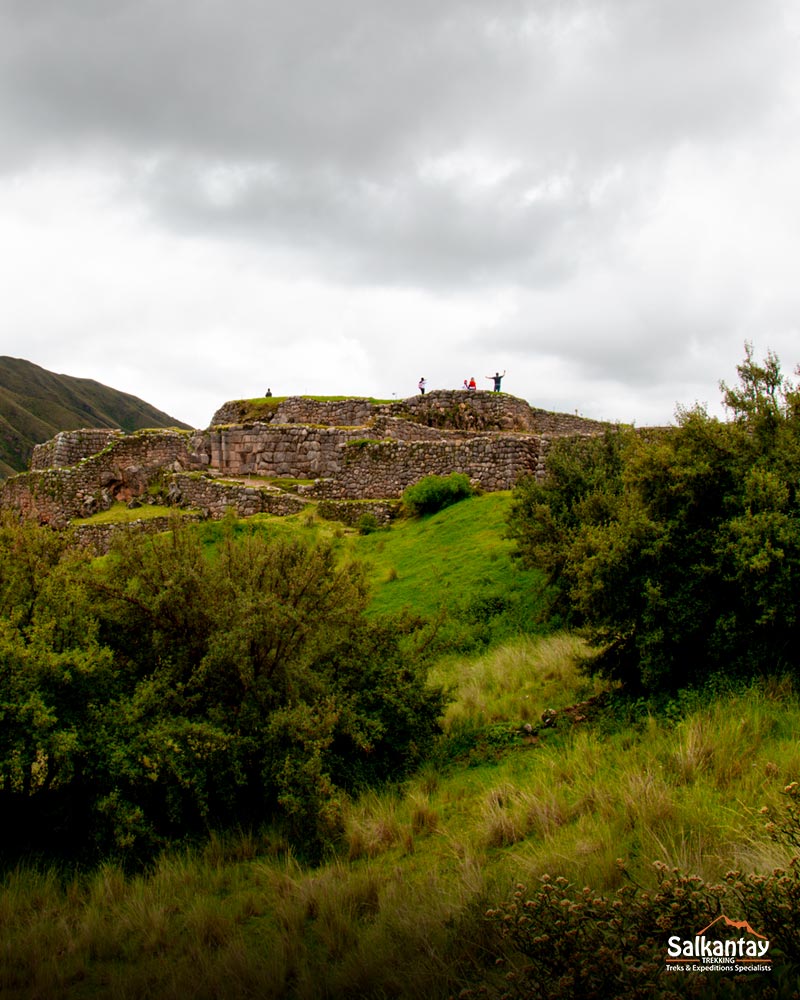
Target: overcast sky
x: 203, y: 198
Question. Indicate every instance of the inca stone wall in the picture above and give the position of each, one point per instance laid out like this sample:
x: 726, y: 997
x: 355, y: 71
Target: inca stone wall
x: 123, y: 469
x: 214, y: 498
x: 348, y: 450
x: 443, y: 409
x: 352, y: 412
x: 100, y: 537
x: 386, y: 468
x: 69, y: 447
x: 350, y: 512
x: 299, y: 452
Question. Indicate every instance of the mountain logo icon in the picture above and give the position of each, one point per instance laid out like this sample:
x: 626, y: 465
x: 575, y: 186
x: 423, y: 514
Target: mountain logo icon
x: 739, y: 925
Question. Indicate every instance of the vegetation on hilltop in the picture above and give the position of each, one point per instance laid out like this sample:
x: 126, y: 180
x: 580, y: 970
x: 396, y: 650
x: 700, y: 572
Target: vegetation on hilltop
x: 36, y: 404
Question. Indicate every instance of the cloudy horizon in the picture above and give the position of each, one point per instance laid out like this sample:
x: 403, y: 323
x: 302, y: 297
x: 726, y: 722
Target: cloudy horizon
x: 202, y: 199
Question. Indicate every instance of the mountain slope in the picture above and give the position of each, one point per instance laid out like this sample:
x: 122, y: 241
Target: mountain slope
x: 36, y: 404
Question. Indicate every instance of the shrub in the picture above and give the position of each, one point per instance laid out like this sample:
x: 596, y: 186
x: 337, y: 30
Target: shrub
x: 166, y: 691
x: 436, y: 492
x: 678, y: 550
x: 367, y: 523
x: 560, y: 940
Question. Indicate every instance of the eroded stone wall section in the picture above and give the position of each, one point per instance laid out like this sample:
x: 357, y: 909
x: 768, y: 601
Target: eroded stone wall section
x: 69, y: 447
x: 443, y: 409
x: 386, y: 468
x: 298, y: 452
x: 125, y: 468
x: 215, y: 499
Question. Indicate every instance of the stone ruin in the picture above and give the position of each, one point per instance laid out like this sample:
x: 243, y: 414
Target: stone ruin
x: 349, y: 456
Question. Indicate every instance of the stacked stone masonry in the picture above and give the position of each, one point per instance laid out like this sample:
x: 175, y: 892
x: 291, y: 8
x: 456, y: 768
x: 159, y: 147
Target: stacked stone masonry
x: 70, y: 447
x: 342, y: 450
x: 443, y: 409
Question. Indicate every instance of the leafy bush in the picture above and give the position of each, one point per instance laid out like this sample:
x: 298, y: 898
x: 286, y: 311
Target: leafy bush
x: 678, y: 550
x: 562, y: 941
x: 167, y: 691
x: 436, y: 492
x: 367, y: 523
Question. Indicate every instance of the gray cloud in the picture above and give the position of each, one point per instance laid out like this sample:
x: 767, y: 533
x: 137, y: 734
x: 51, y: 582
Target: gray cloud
x: 536, y: 151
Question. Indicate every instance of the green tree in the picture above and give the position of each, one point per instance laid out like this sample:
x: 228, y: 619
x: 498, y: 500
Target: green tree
x: 679, y: 557
x: 166, y: 690
x: 255, y: 683
x: 55, y: 679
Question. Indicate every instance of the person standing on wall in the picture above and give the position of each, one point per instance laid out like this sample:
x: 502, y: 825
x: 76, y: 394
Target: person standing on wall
x: 497, y: 378
x: 421, y: 385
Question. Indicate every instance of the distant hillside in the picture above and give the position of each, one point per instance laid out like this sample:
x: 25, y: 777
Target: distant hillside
x: 36, y: 404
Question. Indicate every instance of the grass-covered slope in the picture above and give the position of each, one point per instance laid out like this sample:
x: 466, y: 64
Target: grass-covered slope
x: 543, y: 777
x: 401, y: 909
x: 454, y: 567
x: 36, y: 404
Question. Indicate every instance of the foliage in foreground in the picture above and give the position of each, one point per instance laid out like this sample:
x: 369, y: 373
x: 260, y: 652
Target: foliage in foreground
x: 678, y: 550
x: 402, y: 911
x: 168, y: 692
x: 561, y: 941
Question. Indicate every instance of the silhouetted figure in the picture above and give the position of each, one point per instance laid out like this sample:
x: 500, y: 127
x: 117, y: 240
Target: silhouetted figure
x: 497, y: 378
x: 268, y: 392
x: 421, y: 385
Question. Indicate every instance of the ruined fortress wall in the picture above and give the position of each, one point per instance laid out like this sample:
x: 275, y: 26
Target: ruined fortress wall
x: 299, y: 452
x: 359, y: 467
x: 214, y: 498
x: 352, y: 412
x: 445, y: 409
x: 123, y: 468
x: 386, y: 468
x: 565, y: 424
x: 50, y: 496
x: 100, y: 537
x: 350, y: 512
x: 352, y: 449
x: 475, y: 412
x: 69, y: 447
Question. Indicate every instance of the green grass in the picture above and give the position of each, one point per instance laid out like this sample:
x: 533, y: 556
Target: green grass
x: 397, y: 911
x: 445, y: 559
x: 455, y: 562
x: 120, y: 513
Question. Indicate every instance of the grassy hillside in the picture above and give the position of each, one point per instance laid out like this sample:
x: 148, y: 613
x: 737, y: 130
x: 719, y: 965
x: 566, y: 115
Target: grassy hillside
x: 400, y: 910
x: 36, y: 404
x: 454, y: 566
x: 405, y: 904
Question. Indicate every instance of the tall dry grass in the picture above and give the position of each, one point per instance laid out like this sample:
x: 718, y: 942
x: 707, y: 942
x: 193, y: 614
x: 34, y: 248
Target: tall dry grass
x: 396, y: 912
